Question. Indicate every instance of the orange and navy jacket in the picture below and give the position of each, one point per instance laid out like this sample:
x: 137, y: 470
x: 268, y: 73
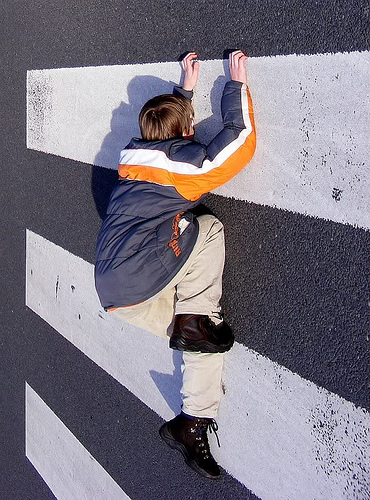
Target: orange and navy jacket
x: 149, y: 232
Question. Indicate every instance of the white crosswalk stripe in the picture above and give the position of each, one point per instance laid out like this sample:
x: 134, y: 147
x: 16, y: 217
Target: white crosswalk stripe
x: 69, y: 470
x: 304, y: 441
x: 312, y: 115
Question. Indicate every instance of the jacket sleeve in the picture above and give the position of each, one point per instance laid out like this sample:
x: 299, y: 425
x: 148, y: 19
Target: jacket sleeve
x: 188, y: 94
x: 230, y: 150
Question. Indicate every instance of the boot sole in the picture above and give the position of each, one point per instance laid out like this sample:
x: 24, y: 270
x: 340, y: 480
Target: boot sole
x: 176, y: 445
x: 199, y: 346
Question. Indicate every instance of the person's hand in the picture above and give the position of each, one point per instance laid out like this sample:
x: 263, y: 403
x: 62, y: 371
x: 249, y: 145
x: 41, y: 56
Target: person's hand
x: 238, y: 72
x: 191, y: 70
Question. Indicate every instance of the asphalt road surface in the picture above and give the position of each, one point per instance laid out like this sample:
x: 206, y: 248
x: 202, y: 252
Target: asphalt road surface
x: 296, y: 287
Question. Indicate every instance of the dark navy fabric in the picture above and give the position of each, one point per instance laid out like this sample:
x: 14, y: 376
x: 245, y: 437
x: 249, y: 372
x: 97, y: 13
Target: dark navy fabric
x: 133, y: 259
x: 188, y: 94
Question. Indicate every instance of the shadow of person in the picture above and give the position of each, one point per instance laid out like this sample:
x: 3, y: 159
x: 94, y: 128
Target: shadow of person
x: 169, y: 385
x: 209, y: 127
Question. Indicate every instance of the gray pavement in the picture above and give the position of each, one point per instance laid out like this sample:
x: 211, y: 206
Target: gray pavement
x: 57, y: 197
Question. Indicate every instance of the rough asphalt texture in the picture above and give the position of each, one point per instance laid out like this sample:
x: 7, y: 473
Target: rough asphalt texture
x: 300, y: 285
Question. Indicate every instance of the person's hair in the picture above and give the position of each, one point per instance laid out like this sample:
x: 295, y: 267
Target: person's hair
x: 165, y: 116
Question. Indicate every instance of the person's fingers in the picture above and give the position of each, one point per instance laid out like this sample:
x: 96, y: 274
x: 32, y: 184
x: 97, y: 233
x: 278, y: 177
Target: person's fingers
x: 233, y: 57
x: 187, y: 62
x: 193, y: 58
x: 190, y: 55
x: 242, y: 60
x: 237, y: 67
x: 238, y: 60
x: 238, y: 56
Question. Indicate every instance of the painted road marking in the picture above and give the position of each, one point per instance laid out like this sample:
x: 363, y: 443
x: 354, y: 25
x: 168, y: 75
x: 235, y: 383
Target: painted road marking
x: 312, y: 114
x: 301, y: 440
x: 69, y: 470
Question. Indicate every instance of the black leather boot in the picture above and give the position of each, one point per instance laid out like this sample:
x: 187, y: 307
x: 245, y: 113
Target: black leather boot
x: 195, y: 332
x: 189, y: 436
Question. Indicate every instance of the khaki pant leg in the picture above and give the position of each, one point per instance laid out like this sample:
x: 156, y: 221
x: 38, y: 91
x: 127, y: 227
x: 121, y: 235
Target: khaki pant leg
x: 201, y: 389
x: 200, y: 289
x: 155, y: 316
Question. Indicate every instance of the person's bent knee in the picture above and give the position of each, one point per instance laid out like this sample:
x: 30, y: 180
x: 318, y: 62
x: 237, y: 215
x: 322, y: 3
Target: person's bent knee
x: 209, y: 222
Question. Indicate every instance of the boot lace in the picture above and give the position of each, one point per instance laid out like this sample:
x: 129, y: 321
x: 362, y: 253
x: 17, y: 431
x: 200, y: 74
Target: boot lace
x: 218, y: 314
x: 201, y: 427
x: 215, y: 314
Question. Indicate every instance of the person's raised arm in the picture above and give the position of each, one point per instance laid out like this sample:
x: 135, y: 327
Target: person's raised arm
x: 190, y: 66
x: 234, y: 146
